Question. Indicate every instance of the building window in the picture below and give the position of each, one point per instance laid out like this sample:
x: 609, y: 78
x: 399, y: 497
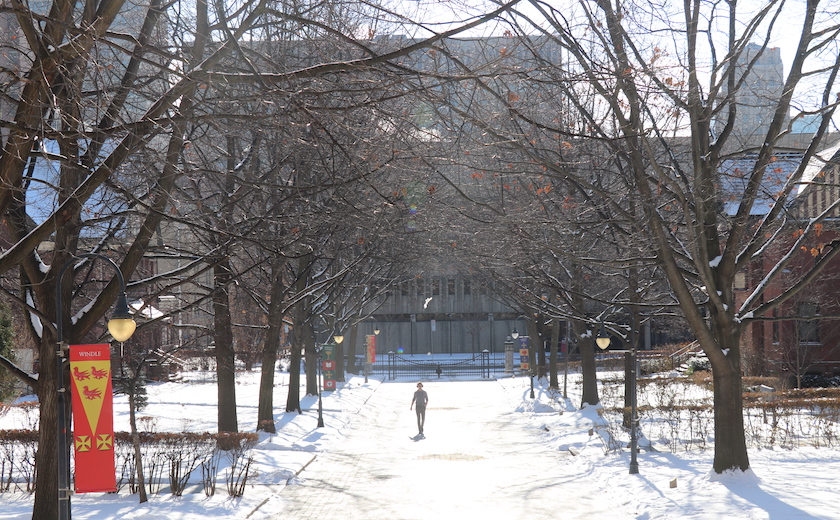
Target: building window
x: 436, y: 287
x: 450, y: 287
x: 466, y: 287
x: 809, y: 330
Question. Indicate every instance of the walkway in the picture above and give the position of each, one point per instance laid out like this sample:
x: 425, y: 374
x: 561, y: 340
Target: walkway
x: 475, y: 462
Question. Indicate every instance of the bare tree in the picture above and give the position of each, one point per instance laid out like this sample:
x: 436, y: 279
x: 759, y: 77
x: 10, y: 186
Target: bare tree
x: 656, y: 103
x: 680, y: 189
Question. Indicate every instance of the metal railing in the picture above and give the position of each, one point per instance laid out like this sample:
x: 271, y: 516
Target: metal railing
x: 479, y: 365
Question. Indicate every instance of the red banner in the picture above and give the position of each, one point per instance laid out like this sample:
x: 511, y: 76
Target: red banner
x: 93, y: 418
x: 370, y: 354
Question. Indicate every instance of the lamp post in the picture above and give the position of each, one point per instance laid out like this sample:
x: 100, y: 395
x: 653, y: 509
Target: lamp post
x: 376, y: 332
x: 603, y: 339
x: 509, y: 351
x: 603, y: 342
x: 515, y: 335
x: 121, y: 326
x: 338, y: 338
x: 320, y: 385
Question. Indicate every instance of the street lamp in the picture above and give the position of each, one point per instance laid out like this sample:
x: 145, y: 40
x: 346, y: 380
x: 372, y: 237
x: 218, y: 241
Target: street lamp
x: 603, y: 339
x: 515, y: 335
x: 338, y: 338
x: 320, y: 385
x: 603, y: 342
x: 531, y: 377
x: 121, y: 326
x: 376, y: 332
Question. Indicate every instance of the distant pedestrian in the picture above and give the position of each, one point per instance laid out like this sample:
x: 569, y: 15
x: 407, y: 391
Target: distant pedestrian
x: 421, y: 399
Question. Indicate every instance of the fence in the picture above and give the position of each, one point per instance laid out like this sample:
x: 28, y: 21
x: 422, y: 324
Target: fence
x: 478, y: 365
x: 172, y: 462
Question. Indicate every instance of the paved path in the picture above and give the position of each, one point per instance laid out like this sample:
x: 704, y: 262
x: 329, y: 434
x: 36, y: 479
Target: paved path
x: 475, y: 462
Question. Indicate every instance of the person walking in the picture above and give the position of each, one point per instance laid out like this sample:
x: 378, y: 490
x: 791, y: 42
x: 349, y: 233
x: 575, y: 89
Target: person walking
x: 421, y: 399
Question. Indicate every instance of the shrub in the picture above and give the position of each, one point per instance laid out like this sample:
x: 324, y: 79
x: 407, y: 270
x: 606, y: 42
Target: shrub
x: 820, y: 381
x: 698, y: 364
x: 173, y: 455
x: 654, y: 365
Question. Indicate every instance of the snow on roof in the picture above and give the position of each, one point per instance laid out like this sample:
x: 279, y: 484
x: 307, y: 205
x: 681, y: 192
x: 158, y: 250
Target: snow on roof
x: 147, y: 311
x: 735, y: 174
x: 817, y: 164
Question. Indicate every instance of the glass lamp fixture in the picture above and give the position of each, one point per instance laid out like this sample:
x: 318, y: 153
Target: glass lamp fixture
x: 121, y: 325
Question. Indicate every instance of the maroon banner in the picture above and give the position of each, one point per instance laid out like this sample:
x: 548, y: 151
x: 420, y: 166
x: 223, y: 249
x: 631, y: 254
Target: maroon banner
x: 93, y: 418
x: 370, y: 353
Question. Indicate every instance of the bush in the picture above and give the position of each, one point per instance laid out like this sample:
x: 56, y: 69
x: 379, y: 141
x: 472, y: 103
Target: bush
x: 173, y: 455
x: 698, y: 363
x: 654, y: 365
x: 820, y: 381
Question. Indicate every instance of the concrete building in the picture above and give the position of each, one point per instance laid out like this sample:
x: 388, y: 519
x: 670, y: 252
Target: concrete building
x: 762, y: 77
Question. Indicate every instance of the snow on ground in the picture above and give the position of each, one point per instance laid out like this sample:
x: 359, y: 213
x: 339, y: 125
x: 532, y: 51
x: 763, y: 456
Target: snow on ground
x: 782, y: 484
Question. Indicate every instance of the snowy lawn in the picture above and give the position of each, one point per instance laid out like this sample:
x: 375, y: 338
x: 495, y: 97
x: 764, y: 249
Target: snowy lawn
x: 783, y: 484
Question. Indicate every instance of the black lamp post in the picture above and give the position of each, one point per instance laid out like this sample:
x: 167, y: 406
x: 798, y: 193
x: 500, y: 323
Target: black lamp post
x: 376, y: 332
x: 121, y: 326
x: 603, y: 342
x: 531, y: 377
x: 515, y: 335
x: 320, y: 385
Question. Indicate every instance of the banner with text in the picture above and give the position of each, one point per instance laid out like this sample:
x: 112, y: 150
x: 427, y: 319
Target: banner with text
x: 93, y: 418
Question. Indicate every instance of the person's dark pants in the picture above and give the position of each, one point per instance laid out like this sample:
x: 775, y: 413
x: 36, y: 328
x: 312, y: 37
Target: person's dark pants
x: 421, y: 417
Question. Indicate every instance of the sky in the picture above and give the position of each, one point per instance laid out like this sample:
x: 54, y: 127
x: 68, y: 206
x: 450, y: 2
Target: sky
x: 782, y: 484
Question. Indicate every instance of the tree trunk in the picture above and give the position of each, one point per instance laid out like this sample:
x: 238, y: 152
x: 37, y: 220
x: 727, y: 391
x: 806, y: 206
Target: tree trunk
x: 293, y: 399
x: 552, y: 357
x: 311, y: 359
x: 586, y: 344
x: 302, y: 329
x: 350, y: 348
x: 225, y: 356
x: 533, y: 345
x: 629, y: 361
x: 730, y: 441
x: 265, y: 408
x: 46, y: 479
x: 135, y: 440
